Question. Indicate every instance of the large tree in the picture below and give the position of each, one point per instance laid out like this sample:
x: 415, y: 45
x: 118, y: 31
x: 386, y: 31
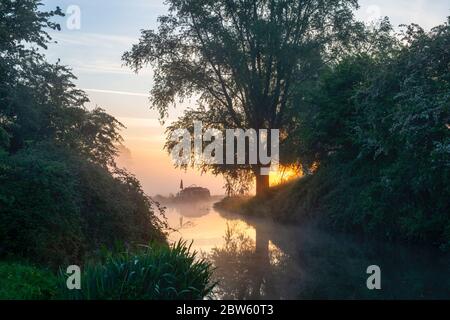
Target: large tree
x: 241, y: 59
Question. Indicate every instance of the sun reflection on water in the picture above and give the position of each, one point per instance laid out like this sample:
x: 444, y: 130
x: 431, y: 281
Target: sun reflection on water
x: 203, y: 225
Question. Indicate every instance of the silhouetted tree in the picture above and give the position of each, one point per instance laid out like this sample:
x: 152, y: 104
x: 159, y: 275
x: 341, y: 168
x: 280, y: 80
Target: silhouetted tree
x: 241, y: 59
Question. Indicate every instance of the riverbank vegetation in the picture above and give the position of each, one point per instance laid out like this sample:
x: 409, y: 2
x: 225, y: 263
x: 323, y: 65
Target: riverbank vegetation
x: 22, y: 281
x: 364, y: 113
x: 363, y: 110
x: 151, y: 273
x: 62, y: 197
x: 154, y: 272
x: 375, y: 129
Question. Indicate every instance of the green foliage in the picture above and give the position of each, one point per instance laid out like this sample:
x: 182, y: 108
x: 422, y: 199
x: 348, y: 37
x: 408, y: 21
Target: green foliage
x: 152, y: 273
x: 61, y: 194
x: 33, y: 224
x: 378, y: 127
x: 22, y: 21
x: 24, y: 282
x: 38, y: 100
x: 56, y: 207
x: 156, y: 272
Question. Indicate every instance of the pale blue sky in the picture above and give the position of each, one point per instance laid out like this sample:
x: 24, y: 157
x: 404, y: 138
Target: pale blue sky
x: 110, y: 27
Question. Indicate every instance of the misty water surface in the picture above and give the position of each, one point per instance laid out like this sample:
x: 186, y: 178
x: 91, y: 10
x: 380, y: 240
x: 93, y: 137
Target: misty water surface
x: 259, y: 259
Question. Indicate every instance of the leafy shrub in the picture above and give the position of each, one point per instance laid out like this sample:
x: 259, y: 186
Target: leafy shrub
x: 377, y: 126
x: 40, y: 216
x: 56, y: 208
x: 156, y: 272
x: 24, y: 282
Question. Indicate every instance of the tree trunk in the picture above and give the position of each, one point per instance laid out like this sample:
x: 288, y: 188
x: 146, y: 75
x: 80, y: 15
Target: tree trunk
x: 262, y: 184
x: 261, y: 261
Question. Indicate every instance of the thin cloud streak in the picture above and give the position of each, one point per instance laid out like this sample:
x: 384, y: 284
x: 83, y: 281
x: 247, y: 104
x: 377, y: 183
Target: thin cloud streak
x: 124, y: 93
x: 92, y: 39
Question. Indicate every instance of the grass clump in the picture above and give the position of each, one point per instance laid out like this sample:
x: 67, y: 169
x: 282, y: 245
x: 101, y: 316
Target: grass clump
x: 156, y: 272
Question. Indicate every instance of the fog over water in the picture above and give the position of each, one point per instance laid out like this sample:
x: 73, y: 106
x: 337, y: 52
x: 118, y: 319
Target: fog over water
x: 259, y: 259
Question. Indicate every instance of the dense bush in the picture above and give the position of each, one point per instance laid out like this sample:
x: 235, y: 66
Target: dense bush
x: 154, y: 273
x: 39, y: 214
x: 391, y: 176
x: 55, y: 207
x: 24, y: 282
x: 376, y: 129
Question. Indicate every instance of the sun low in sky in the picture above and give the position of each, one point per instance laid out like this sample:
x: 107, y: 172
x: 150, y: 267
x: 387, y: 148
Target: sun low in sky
x: 109, y: 28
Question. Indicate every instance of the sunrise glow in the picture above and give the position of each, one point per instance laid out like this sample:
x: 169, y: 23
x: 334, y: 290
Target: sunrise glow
x: 284, y: 175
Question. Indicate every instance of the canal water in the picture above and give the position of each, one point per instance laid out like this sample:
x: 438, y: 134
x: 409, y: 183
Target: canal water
x: 260, y: 259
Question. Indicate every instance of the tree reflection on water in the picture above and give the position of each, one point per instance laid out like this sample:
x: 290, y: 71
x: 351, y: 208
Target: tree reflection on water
x: 291, y: 262
x: 244, y: 267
